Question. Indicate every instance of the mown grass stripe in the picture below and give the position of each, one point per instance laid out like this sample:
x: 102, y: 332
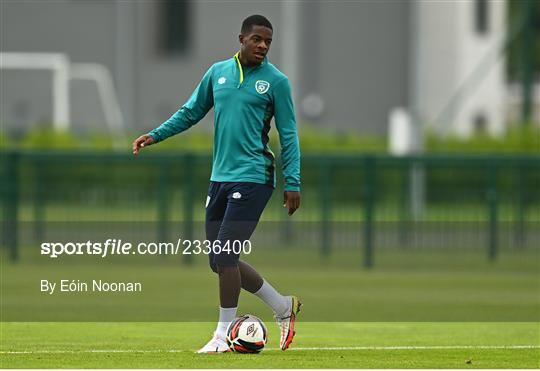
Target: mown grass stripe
x: 405, y: 347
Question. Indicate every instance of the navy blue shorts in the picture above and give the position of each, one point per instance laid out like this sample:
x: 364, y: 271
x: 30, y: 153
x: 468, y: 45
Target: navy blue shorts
x: 233, y: 210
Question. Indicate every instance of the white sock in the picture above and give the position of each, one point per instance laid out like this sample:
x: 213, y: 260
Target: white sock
x: 279, y: 303
x: 226, y: 316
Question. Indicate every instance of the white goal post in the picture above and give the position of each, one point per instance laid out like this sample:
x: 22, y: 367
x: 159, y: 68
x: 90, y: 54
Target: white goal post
x: 63, y: 71
x: 58, y: 64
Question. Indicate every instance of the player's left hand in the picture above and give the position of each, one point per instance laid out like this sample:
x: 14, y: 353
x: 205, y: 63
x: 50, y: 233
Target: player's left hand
x: 291, y: 201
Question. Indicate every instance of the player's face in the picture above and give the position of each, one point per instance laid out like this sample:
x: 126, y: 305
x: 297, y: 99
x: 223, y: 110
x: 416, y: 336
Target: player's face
x: 255, y: 45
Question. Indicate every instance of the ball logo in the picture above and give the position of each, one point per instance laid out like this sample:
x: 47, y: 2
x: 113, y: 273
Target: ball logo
x: 262, y: 86
x: 221, y: 80
x: 237, y: 195
x: 250, y: 329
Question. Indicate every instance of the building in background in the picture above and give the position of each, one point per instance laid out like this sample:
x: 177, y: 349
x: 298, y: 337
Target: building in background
x: 350, y: 63
x: 460, y: 67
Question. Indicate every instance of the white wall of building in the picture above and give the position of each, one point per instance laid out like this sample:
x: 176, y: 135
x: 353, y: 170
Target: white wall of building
x: 487, y: 97
x: 460, y: 81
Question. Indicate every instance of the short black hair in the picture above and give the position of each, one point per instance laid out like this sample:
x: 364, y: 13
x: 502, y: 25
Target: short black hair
x: 255, y: 20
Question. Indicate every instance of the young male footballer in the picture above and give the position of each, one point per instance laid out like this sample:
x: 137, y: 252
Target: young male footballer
x: 246, y: 92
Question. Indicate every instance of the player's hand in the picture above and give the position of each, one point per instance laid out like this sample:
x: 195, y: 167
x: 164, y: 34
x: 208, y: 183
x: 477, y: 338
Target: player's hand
x: 291, y: 201
x: 140, y: 142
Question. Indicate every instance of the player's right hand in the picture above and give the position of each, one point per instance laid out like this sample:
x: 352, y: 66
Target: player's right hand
x: 142, y: 141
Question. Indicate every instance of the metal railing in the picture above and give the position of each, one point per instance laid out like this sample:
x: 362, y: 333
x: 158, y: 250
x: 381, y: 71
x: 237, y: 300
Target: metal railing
x: 361, y: 201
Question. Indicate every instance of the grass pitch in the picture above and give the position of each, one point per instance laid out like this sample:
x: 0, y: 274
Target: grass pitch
x: 317, y: 345
x: 380, y: 312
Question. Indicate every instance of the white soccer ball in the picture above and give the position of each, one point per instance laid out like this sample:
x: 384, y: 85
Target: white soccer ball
x: 247, y: 334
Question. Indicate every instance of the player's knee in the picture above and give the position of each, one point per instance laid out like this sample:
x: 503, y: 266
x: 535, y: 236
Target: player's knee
x: 224, y: 268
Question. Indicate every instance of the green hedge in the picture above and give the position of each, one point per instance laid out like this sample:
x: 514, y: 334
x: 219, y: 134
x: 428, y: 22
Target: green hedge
x: 520, y: 139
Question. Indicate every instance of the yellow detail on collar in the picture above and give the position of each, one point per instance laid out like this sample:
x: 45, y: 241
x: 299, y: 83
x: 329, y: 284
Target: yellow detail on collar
x: 237, y: 57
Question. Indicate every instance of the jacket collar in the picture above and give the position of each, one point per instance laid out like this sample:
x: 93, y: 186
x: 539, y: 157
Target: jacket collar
x: 239, y: 65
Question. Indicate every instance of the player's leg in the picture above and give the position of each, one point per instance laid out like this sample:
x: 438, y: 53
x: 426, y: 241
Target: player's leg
x: 251, y: 279
x: 285, y: 308
x: 254, y: 283
x: 216, y: 204
x: 244, y: 206
x: 232, y: 213
x: 246, y: 202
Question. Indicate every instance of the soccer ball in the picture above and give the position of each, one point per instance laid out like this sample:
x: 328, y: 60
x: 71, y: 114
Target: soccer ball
x: 246, y: 334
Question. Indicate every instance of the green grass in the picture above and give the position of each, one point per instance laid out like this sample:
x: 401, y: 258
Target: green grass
x: 172, y: 345
x: 387, y: 212
x: 404, y: 286
x: 461, y: 310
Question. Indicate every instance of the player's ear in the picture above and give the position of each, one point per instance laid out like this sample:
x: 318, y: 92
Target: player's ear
x: 241, y: 38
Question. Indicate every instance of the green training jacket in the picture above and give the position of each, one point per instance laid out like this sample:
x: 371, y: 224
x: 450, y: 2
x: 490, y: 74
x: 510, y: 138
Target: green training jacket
x: 244, y: 99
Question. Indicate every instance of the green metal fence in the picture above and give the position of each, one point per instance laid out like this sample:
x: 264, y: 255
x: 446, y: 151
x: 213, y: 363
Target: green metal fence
x: 370, y: 203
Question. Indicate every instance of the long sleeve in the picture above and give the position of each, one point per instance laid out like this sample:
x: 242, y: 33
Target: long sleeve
x: 288, y: 136
x: 197, y: 106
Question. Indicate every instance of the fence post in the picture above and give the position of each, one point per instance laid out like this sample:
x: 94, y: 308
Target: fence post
x: 492, y: 206
x: 163, y: 202
x: 286, y: 230
x: 369, y: 201
x: 405, y: 207
x: 189, y: 194
x: 286, y: 227
x: 519, y: 231
x: 287, y: 236
x: 11, y: 204
x: 326, y: 232
x: 39, y: 190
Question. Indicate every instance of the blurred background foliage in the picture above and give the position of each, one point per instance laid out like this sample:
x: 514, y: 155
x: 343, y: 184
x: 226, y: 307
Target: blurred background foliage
x: 519, y: 139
